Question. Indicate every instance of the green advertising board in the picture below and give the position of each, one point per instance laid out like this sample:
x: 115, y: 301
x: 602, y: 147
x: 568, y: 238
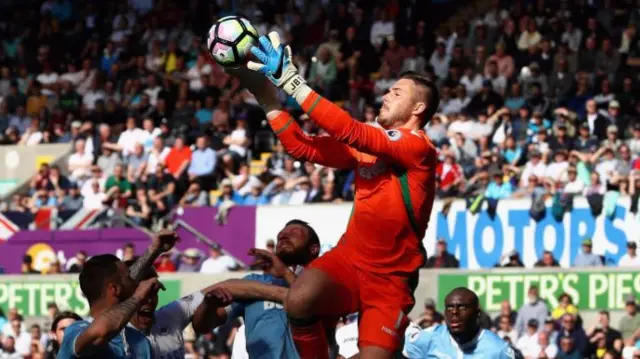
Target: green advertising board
x: 31, y: 297
x: 590, y: 290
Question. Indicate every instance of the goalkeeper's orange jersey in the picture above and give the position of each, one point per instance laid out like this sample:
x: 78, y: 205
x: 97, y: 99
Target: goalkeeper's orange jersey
x: 395, y: 183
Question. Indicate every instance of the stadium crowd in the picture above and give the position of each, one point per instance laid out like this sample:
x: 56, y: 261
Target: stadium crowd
x: 538, y: 100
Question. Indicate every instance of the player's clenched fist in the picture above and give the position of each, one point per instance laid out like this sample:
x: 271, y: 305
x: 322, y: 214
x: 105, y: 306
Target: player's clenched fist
x: 218, y: 297
x: 148, y: 287
x: 269, y: 262
x: 165, y: 240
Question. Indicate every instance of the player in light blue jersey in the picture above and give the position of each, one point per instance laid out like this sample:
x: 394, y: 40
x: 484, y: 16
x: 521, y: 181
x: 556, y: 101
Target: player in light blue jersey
x: 461, y: 337
x: 266, y: 326
x: 114, y: 293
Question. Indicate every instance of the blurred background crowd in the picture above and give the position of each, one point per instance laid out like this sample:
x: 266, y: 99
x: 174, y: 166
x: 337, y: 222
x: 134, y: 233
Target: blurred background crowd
x: 538, y: 100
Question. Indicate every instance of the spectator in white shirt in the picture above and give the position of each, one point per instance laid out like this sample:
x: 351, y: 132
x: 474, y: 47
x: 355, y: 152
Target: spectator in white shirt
x: 572, y: 36
x: 506, y: 329
x: 498, y: 81
x: 196, y: 72
x: 96, y: 198
x: 440, y: 61
x: 413, y: 62
x: 153, y: 89
x: 457, y: 104
x: 22, y: 338
x: 472, y: 80
x: 238, y: 140
x: 574, y: 185
x: 9, y: 349
x: 244, y: 182
x: 217, y: 263
x: 148, y: 134
x: 72, y: 75
x: 157, y: 154
x: 529, y: 38
x: 634, y: 142
x: 48, y: 79
x: 7, y: 329
x: 97, y: 175
x: 535, y: 166
x: 556, y: 169
x: 607, y: 166
x: 80, y: 162
x: 93, y: 95
x: 543, y: 349
x: 381, y: 28
x: 32, y: 136
x: 529, y: 339
x: 128, y: 138
x: 630, y: 259
x: 86, y: 80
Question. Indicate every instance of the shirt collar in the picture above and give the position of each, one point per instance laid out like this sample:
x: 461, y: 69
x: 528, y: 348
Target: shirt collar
x: 470, y: 343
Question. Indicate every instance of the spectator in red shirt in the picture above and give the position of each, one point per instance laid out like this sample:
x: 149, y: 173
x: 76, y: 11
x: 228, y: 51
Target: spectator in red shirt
x: 165, y: 264
x: 450, y: 175
x: 178, y: 159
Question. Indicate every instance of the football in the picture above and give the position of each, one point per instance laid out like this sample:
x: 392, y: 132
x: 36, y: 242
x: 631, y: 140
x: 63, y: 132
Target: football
x: 230, y: 40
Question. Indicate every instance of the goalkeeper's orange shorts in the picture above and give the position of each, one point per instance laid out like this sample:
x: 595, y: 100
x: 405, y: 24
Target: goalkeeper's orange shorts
x: 383, y: 301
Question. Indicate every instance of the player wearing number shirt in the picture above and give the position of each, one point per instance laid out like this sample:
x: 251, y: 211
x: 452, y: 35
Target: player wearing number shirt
x: 267, y: 332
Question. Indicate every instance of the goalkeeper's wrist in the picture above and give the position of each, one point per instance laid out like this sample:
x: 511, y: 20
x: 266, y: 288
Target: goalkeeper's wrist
x: 297, y: 88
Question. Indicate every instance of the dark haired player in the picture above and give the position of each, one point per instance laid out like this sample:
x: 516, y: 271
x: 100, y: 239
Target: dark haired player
x: 373, y: 269
x: 266, y: 327
x: 461, y: 337
x: 114, y: 293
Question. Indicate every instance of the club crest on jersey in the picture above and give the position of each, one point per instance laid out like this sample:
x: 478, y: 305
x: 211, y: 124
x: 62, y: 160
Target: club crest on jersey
x: 414, y: 336
x: 394, y: 135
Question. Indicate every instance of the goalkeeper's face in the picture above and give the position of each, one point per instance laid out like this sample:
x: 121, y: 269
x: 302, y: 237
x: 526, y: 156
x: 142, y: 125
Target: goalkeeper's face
x: 398, y: 104
x: 293, y: 245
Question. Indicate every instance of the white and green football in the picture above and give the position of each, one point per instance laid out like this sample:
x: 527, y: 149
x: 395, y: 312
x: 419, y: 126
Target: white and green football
x: 230, y: 40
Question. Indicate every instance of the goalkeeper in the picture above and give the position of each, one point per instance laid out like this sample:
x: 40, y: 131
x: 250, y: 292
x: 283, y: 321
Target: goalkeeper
x: 373, y: 268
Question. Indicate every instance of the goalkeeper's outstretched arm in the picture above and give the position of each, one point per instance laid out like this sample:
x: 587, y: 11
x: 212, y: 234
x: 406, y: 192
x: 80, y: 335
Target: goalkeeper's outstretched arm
x: 322, y: 150
x: 275, y: 64
x: 317, y: 149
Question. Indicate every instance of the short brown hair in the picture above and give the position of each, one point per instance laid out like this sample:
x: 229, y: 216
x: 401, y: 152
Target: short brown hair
x: 432, y: 96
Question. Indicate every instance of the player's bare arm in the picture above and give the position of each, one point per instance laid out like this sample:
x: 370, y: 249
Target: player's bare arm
x: 162, y: 242
x: 244, y: 289
x: 211, y: 312
x: 113, y: 320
